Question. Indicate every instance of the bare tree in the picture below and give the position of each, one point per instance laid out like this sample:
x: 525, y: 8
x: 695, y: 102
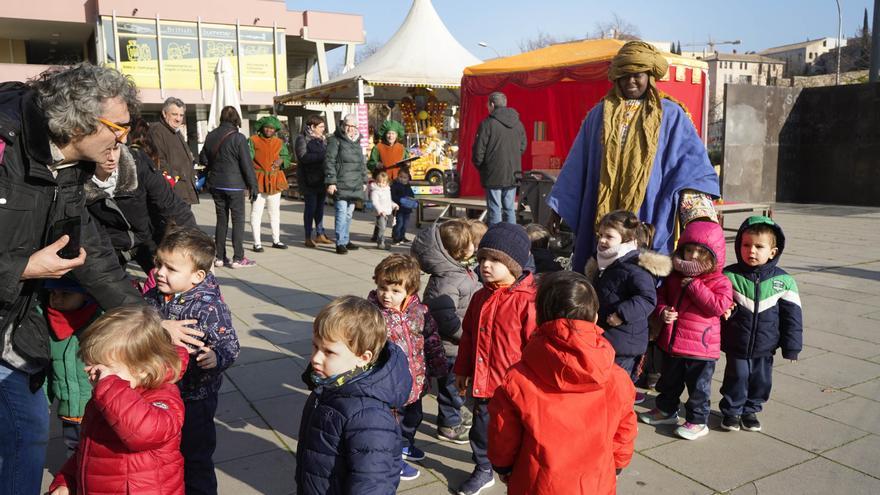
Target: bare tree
x: 361, y: 53
x: 541, y: 40
x: 617, y: 28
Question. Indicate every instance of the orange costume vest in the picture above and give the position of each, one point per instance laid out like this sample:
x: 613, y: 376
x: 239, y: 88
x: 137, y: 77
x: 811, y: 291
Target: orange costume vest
x: 270, y: 179
x: 389, y: 156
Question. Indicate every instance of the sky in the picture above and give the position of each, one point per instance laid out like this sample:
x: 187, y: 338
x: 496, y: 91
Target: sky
x: 503, y: 24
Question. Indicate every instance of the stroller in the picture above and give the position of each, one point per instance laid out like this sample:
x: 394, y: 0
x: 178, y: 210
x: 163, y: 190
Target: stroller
x: 534, y: 187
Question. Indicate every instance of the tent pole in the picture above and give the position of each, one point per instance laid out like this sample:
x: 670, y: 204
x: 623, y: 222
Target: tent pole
x: 360, y: 91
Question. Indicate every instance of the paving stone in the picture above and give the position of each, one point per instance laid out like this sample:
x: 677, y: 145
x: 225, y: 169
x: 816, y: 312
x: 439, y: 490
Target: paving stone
x: 869, y: 390
x: 804, y: 394
x: 855, y: 411
x: 267, y: 379
x: 244, y: 437
x: 832, y: 369
x: 255, y: 349
x: 233, y: 406
x: 818, y: 476
x: 841, y: 344
x: 283, y: 414
x: 646, y: 476
x: 804, y: 429
x: 701, y: 460
x: 860, y: 455
x: 269, y: 473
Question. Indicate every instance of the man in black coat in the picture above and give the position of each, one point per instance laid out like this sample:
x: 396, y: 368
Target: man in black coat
x: 52, y: 131
x: 498, y: 149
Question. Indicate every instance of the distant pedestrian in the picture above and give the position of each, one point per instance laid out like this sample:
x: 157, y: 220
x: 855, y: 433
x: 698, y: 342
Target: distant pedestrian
x: 231, y: 177
x: 349, y: 441
x: 346, y: 178
x: 311, y: 148
x: 271, y: 158
x: 498, y: 149
x: 175, y: 158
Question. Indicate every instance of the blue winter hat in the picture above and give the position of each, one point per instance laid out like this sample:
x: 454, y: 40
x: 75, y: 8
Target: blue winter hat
x: 65, y: 283
x: 510, y: 241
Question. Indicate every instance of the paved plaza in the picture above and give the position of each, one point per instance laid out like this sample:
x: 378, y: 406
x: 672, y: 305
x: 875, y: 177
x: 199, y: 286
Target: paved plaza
x: 821, y: 427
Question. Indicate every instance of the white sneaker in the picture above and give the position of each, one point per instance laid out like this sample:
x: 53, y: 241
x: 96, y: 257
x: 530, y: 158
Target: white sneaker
x: 690, y: 431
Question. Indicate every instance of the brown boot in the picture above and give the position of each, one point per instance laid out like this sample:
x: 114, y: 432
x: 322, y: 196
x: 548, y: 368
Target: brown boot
x: 310, y: 243
x: 322, y: 239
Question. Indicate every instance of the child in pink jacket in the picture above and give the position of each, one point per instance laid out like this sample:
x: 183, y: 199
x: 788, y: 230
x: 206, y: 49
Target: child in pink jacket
x: 690, y: 302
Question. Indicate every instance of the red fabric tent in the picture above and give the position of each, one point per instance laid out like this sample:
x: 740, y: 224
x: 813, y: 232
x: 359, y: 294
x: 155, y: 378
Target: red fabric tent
x: 558, y: 85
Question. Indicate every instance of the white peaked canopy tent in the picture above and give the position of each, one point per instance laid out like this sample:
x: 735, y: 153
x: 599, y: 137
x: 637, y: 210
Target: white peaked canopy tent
x: 422, y: 53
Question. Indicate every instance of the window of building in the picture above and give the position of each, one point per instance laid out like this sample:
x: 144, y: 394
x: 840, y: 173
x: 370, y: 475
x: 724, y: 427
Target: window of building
x: 824, y: 42
x: 745, y: 79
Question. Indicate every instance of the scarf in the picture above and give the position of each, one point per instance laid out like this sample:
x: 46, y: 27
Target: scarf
x: 690, y: 268
x: 341, y: 379
x: 107, y: 186
x: 65, y: 323
x: 627, y: 163
x: 605, y: 258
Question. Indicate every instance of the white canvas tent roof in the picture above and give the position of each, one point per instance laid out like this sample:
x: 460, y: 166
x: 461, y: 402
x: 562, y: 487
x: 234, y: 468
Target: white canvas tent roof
x: 422, y: 53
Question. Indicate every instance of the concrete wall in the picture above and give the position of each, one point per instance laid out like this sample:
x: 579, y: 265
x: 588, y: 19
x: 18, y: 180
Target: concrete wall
x: 755, y: 115
x: 811, y: 145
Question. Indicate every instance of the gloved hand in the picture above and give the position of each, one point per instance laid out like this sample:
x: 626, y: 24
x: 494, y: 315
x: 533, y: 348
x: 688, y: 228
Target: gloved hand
x: 254, y: 194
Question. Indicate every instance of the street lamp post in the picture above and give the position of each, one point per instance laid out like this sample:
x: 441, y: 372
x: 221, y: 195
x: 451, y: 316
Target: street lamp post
x: 487, y: 45
x: 839, y: 36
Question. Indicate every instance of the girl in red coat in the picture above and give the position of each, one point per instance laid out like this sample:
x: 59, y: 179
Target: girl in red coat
x: 567, y: 371
x: 130, y: 437
x: 690, y: 302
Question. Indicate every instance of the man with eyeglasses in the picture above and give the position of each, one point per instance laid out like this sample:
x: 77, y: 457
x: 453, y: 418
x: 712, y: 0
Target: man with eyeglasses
x: 50, y: 139
x: 175, y: 158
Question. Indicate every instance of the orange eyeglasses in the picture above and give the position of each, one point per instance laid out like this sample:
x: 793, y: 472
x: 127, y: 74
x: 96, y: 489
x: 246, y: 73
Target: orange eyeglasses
x: 120, y: 130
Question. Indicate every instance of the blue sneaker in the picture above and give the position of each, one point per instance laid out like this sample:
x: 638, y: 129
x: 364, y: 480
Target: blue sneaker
x: 408, y: 472
x: 478, y: 481
x: 413, y: 453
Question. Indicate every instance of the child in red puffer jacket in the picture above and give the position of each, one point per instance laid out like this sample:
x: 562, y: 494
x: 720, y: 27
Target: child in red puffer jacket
x: 690, y: 303
x: 130, y: 437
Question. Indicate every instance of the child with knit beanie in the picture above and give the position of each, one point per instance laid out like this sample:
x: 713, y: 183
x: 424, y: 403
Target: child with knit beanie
x: 498, y: 323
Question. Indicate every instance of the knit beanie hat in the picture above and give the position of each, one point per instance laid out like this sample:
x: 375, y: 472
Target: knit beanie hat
x: 509, y: 243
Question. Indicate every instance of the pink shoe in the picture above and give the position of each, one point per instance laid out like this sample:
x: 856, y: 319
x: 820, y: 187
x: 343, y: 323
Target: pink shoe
x: 243, y: 263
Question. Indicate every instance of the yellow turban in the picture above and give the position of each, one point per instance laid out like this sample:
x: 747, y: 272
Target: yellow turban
x: 638, y: 56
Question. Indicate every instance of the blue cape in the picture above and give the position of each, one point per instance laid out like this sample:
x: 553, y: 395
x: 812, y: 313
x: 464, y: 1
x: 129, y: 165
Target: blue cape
x: 681, y: 163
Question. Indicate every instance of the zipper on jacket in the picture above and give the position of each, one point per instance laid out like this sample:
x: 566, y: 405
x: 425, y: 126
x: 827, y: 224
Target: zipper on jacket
x: 754, y: 328
x: 674, y: 332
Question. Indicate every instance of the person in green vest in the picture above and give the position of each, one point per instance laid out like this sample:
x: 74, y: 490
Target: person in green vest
x: 271, y: 157
x: 70, y: 311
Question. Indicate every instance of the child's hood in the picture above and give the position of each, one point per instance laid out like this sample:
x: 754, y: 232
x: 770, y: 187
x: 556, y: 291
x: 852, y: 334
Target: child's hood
x: 756, y: 220
x: 209, y: 286
x: 413, y: 303
x: 658, y: 265
x: 428, y: 249
x: 570, y: 355
x: 710, y: 236
x: 389, y: 381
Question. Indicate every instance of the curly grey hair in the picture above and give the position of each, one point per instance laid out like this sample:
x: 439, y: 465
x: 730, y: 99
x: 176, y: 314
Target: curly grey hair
x: 73, y: 98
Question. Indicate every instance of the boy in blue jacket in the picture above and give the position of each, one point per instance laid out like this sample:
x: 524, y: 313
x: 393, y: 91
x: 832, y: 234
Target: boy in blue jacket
x: 766, y: 315
x: 349, y: 441
x: 187, y: 290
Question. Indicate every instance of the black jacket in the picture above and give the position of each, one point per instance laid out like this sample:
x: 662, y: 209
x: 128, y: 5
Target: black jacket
x: 349, y: 441
x: 227, y: 159
x: 498, y: 148
x: 344, y: 166
x: 32, y: 202
x: 768, y: 312
x: 628, y: 287
x: 310, y: 152
x: 142, y: 194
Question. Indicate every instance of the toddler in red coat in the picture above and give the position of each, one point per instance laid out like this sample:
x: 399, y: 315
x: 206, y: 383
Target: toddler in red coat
x: 690, y: 303
x: 567, y: 371
x: 498, y: 323
x: 130, y: 437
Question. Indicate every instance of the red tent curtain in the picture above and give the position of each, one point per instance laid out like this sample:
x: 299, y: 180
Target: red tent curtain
x: 559, y: 97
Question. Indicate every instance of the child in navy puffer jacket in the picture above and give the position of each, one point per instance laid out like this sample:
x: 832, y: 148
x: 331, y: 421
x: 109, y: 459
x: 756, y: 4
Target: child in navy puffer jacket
x: 625, y: 276
x: 690, y: 303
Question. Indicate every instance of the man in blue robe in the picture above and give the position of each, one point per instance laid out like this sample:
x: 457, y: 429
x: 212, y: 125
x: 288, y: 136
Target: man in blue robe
x: 637, y: 150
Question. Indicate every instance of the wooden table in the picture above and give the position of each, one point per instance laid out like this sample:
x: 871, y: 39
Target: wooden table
x: 451, y: 208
